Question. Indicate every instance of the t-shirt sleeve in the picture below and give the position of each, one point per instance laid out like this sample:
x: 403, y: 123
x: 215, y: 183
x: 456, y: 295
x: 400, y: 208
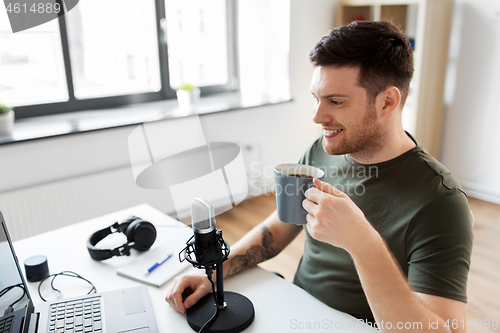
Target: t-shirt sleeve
x: 439, y: 245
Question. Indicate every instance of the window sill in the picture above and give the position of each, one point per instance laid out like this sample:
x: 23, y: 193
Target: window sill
x: 87, y: 121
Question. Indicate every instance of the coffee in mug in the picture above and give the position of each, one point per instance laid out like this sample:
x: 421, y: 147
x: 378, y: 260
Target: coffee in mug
x: 300, y: 175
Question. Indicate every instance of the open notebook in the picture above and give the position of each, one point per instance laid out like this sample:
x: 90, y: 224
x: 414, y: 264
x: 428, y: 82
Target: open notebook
x: 135, y: 270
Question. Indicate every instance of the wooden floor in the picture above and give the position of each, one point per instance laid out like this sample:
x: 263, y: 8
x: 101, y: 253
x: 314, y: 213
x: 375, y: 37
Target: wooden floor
x: 484, y: 277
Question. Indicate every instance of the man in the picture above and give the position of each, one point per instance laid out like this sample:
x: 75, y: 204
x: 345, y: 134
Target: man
x: 389, y: 231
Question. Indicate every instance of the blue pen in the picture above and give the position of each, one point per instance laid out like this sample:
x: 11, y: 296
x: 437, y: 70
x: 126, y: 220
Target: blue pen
x: 156, y: 265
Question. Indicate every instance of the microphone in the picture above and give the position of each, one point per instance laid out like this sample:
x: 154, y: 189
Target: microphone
x: 205, y: 235
x: 233, y: 312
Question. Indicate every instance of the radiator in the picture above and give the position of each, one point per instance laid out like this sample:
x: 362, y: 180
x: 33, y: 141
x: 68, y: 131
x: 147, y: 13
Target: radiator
x: 41, y: 208
x: 38, y: 209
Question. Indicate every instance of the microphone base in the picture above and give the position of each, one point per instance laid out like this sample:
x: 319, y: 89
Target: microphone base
x: 235, y: 317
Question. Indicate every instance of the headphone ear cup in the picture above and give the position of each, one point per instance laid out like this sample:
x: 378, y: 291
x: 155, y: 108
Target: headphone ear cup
x: 123, y: 226
x: 142, y: 233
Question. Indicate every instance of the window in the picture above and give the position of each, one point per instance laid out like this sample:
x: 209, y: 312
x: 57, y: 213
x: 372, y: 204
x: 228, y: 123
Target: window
x: 31, y: 61
x: 193, y: 28
x: 117, y: 52
x: 113, y: 54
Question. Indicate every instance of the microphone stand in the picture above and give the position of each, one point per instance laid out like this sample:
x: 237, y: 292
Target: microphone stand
x: 220, y: 288
x: 231, y: 312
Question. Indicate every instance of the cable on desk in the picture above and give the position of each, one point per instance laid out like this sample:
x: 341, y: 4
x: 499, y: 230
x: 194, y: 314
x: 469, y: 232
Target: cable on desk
x: 64, y: 273
x: 209, y: 274
x: 4, y: 291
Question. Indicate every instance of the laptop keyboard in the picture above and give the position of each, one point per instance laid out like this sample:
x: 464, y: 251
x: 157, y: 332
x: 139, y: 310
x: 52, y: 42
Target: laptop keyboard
x: 76, y: 316
x: 6, y: 325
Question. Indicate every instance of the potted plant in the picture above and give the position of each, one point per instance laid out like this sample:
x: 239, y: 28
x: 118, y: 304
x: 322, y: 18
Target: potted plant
x: 6, y: 119
x: 188, y: 96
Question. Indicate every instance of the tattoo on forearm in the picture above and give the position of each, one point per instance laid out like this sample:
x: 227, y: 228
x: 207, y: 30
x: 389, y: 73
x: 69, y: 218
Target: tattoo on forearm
x: 255, y: 254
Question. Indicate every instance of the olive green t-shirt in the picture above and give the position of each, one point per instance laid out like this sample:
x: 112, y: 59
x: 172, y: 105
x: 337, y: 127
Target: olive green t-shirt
x: 420, y: 210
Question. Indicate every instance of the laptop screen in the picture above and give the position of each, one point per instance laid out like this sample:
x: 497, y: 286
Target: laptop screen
x: 14, y: 296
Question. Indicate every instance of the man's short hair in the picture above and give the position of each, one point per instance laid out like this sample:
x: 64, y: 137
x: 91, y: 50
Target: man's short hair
x: 381, y: 51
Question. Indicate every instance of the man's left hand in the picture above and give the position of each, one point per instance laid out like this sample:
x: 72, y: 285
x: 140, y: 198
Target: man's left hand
x: 334, y: 218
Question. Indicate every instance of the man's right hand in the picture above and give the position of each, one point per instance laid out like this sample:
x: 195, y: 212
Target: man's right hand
x: 186, y: 290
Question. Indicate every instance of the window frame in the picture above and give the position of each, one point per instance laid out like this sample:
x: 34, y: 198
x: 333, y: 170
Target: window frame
x: 166, y: 92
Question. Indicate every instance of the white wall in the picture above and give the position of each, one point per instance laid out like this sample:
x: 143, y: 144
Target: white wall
x: 471, y: 139
x: 282, y: 132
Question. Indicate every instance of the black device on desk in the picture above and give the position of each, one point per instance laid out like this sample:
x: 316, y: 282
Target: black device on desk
x: 141, y: 235
x: 220, y: 311
x: 127, y: 310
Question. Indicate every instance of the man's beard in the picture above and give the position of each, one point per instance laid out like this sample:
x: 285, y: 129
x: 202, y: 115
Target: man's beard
x: 363, y: 141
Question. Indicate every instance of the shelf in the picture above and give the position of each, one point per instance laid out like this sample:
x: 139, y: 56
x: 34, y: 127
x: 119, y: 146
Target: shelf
x: 395, y: 13
x: 354, y: 13
x: 427, y: 23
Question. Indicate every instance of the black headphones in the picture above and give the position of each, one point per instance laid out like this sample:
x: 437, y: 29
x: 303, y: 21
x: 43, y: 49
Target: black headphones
x: 140, y: 236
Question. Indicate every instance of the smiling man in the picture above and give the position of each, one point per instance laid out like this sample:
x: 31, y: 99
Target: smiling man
x: 389, y: 232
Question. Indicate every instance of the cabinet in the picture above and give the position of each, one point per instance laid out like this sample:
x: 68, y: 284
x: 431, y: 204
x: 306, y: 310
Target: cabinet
x: 427, y: 23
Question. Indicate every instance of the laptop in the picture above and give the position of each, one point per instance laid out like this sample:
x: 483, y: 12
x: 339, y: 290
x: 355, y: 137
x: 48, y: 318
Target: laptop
x: 127, y: 310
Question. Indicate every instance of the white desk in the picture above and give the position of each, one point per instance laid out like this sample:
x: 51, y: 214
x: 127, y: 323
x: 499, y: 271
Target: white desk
x: 279, y: 305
